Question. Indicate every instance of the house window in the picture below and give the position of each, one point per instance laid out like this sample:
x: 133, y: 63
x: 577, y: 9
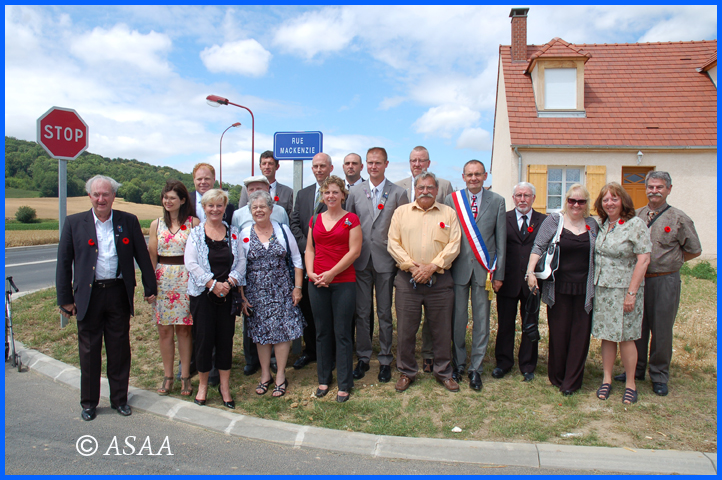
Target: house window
x: 558, y: 182
x: 560, y: 88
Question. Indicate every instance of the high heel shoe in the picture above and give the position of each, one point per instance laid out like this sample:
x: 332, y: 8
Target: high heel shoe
x: 231, y: 404
x: 197, y: 401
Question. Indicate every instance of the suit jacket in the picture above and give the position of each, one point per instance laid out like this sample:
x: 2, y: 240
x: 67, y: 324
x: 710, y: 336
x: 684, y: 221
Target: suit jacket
x: 284, y: 194
x: 491, y: 221
x: 518, y: 250
x: 75, y: 252
x: 302, y: 213
x: 375, y: 230
x: 445, y: 188
x: 227, y: 217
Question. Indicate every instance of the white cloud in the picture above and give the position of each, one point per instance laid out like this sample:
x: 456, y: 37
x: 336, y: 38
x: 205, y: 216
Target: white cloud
x: 474, y: 139
x: 391, y: 102
x: 245, y: 57
x: 324, y: 31
x: 444, y: 120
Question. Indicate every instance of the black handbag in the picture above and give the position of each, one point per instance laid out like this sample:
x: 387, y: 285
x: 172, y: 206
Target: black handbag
x: 237, y: 301
x: 530, y: 321
x: 548, y: 263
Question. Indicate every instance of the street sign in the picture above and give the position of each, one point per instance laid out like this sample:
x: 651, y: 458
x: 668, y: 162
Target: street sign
x: 297, y: 145
x: 62, y: 133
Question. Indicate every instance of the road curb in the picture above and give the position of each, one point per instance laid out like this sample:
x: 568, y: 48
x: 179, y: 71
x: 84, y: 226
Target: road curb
x: 494, y: 454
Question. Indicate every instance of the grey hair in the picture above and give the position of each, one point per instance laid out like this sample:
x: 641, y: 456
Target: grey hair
x: 260, y: 194
x: 658, y: 175
x: 423, y: 176
x: 113, y: 184
x: 524, y: 185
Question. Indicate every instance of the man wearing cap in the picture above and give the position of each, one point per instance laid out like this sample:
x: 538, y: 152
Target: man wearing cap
x: 281, y: 194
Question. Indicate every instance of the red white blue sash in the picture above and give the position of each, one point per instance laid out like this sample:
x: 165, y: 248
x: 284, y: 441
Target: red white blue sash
x: 471, y: 230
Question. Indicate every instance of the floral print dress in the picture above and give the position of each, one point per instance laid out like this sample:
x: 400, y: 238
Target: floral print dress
x: 172, y: 306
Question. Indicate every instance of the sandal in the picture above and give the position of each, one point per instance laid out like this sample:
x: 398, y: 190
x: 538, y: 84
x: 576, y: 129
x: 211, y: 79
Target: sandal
x: 186, y: 387
x: 164, y: 388
x: 630, y: 396
x: 604, y: 391
x: 263, y: 386
x: 280, y: 389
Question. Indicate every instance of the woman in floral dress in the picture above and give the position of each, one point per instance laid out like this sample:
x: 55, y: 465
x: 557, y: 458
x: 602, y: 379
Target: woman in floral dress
x: 166, y: 245
x: 621, y: 256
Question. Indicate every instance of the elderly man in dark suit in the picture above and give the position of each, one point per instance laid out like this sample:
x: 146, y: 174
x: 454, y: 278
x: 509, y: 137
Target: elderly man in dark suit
x: 100, y: 246
x: 479, y: 266
x: 522, y: 224
x: 281, y: 194
x: 308, y: 203
x: 374, y: 201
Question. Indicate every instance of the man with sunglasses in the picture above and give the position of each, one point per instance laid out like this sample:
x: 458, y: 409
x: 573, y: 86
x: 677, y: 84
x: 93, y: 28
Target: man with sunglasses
x: 522, y: 224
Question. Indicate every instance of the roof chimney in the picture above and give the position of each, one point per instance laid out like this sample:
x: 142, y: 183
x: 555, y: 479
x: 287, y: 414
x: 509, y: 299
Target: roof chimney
x: 518, y: 34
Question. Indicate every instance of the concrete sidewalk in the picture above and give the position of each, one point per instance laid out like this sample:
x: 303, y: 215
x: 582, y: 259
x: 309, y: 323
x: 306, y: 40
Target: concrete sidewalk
x: 429, y: 449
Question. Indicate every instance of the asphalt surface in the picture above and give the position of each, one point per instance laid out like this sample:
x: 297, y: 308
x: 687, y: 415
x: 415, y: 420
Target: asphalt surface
x: 32, y: 268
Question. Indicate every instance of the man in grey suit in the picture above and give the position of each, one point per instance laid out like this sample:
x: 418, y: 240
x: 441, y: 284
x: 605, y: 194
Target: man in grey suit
x: 486, y: 211
x: 419, y: 161
x: 375, y: 201
x: 281, y: 194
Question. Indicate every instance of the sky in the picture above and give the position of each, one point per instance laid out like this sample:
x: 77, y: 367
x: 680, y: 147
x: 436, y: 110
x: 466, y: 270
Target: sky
x: 365, y: 76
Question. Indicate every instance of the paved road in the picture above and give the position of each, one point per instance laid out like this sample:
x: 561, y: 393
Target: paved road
x: 32, y: 268
x: 41, y: 436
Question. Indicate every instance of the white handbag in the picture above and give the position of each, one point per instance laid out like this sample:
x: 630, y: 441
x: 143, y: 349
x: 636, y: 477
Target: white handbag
x: 549, y: 261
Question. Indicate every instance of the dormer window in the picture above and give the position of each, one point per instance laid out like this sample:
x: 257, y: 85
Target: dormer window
x: 560, y: 89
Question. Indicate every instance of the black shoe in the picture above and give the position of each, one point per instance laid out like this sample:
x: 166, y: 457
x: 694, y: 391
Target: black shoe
x: 231, y: 404
x: 568, y: 393
x: 528, y: 376
x: 88, y: 414
x: 499, y: 372
x: 321, y: 393
x: 249, y: 370
x: 660, y: 388
x: 361, y: 369
x: 342, y: 398
x: 456, y: 375
x: 385, y: 373
x: 475, y: 381
x: 622, y: 377
x: 302, y: 361
x: 122, y: 409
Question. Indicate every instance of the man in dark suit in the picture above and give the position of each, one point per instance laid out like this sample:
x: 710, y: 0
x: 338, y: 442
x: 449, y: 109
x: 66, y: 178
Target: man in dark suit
x: 482, y: 214
x: 100, y: 246
x: 375, y: 201
x: 308, y: 203
x: 204, y: 178
x: 522, y: 224
x: 281, y: 194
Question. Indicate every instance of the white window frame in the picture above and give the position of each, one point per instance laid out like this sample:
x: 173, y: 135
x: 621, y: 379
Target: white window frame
x: 565, y: 184
x: 560, y: 88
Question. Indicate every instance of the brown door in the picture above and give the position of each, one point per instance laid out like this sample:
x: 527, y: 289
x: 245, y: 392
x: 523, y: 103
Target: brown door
x: 633, y: 183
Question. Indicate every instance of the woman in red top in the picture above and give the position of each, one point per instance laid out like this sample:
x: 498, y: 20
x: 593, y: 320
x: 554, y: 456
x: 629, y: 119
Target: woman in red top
x: 335, y: 244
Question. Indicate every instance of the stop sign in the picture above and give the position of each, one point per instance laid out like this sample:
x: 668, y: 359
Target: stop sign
x: 62, y: 133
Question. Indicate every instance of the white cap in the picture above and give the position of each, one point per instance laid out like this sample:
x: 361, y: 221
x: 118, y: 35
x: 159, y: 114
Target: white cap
x: 257, y: 178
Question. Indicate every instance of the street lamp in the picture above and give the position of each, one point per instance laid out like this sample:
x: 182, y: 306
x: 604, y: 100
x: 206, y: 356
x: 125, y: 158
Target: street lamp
x: 220, y: 154
x: 215, y: 101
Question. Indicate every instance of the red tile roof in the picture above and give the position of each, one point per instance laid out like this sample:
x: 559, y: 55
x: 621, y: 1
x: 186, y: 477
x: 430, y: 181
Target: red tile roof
x: 710, y: 62
x: 639, y: 94
x: 557, y: 48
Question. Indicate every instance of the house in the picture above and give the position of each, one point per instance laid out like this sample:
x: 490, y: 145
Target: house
x: 568, y: 113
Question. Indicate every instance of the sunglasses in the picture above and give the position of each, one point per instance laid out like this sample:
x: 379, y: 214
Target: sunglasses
x: 577, y: 201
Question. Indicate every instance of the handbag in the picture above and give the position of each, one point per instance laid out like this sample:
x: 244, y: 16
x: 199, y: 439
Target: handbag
x: 549, y: 261
x: 531, y: 307
x: 237, y: 302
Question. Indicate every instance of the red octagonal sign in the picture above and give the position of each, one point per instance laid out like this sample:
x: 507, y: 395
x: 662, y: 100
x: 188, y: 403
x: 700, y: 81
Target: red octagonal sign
x: 62, y: 133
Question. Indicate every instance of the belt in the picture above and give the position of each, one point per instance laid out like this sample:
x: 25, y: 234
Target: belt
x: 179, y: 260
x: 107, y: 283
x: 652, y: 275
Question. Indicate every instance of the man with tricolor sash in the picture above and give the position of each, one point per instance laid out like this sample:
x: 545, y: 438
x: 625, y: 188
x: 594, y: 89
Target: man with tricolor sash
x: 479, y: 268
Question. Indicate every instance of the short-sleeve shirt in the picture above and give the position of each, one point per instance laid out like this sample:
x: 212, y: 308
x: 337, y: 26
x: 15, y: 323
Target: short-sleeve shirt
x: 672, y: 234
x: 615, y: 252
x: 331, y: 246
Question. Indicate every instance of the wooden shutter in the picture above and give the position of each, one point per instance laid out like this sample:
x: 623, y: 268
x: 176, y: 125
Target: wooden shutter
x: 596, y: 179
x: 537, y: 176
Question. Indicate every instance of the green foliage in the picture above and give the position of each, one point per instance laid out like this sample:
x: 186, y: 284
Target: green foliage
x: 11, y: 192
x: 702, y: 270
x: 26, y: 215
x: 43, y: 224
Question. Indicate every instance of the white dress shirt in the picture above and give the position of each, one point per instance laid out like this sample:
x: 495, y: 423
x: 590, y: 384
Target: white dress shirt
x: 199, y: 208
x: 377, y: 191
x: 106, y: 268
x: 272, y: 191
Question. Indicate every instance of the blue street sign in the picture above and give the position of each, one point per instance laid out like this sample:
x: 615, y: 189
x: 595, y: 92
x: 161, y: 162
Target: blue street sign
x: 297, y: 145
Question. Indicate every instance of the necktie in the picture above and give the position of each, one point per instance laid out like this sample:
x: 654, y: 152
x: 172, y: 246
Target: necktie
x: 524, y: 226
x: 348, y: 186
x: 474, y: 206
x: 650, y: 215
x: 317, y: 201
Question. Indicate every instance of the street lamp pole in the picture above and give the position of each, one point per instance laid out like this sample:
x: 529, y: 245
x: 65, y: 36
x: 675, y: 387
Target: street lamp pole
x: 215, y: 100
x: 220, y: 154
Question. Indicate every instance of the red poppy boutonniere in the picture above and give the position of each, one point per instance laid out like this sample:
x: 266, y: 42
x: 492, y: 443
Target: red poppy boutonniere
x: 667, y: 229
x: 183, y: 227
x: 380, y: 206
x: 126, y: 241
x: 443, y: 225
x: 91, y: 242
x: 233, y: 236
x: 588, y: 227
x: 621, y: 222
x: 275, y: 199
x: 246, y: 240
x: 530, y: 228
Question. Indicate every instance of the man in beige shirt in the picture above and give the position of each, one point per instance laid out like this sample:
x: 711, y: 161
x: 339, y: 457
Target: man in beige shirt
x: 424, y: 240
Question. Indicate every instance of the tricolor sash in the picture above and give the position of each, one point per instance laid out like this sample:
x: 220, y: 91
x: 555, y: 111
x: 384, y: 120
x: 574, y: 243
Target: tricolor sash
x: 471, y: 230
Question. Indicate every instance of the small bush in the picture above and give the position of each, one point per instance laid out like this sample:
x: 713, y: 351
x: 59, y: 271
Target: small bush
x: 25, y: 215
x: 702, y: 270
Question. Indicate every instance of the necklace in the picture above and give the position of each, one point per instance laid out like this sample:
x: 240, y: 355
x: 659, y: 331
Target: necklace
x: 578, y: 227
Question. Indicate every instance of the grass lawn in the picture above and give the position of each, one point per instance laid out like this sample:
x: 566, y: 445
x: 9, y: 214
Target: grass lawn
x: 505, y: 410
x: 20, y: 193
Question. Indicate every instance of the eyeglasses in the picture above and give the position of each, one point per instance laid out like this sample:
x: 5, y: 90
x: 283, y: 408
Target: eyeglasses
x: 577, y: 201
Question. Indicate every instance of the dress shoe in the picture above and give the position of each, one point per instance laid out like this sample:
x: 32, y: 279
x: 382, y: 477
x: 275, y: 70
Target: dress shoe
x: 249, y: 370
x: 499, y: 372
x: 428, y: 365
x: 360, y: 370
x: 622, y: 377
x: 231, y: 404
x: 451, y: 385
x: 568, y: 393
x: 403, y: 383
x: 302, y: 361
x: 122, y: 409
x: 385, y: 373
x: 475, y: 381
x: 456, y: 375
x: 88, y: 414
x: 660, y: 388
x: 528, y: 376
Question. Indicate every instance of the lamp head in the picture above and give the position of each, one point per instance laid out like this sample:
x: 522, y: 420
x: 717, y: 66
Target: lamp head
x: 215, y: 100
